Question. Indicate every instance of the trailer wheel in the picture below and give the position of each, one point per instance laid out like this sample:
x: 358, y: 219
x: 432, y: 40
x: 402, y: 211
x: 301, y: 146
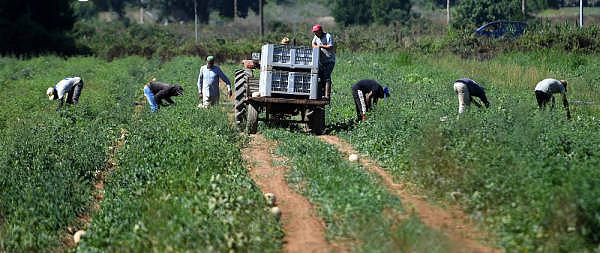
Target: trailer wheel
x: 316, y: 119
x: 240, y: 96
x: 252, y: 119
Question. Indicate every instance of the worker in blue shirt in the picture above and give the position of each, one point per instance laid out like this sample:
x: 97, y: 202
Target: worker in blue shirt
x: 208, y: 83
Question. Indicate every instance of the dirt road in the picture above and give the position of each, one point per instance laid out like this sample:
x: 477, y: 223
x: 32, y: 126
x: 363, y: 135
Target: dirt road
x: 451, y: 221
x: 304, y: 230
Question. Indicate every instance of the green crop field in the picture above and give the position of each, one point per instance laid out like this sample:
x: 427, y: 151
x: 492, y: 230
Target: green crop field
x: 179, y: 182
x: 530, y: 175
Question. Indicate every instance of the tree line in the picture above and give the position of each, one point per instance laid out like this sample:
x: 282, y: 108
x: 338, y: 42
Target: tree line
x: 466, y: 13
x: 37, y: 26
x: 182, y: 9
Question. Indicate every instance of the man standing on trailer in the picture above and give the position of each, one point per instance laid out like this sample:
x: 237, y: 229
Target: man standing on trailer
x: 545, y: 89
x: 71, y: 85
x: 324, y: 42
x: 208, y: 83
x: 466, y: 88
x: 365, y: 91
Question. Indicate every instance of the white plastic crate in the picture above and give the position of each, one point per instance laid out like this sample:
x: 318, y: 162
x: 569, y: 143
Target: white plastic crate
x: 292, y: 83
x: 292, y: 57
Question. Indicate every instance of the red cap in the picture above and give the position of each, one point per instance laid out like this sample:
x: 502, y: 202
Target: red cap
x: 317, y: 28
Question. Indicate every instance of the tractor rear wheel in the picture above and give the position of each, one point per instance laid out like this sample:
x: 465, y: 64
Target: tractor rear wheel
x: 316, y: 120
x: 240, y: 95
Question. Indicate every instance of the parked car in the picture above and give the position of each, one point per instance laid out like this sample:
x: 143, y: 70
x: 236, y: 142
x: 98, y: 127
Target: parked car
x: 500, y: 28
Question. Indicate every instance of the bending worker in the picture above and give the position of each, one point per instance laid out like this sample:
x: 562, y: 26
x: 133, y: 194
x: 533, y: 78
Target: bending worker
x: 324, y: 42
x: 545, y: 90
x: 208, y: 83
x: 155, y: 92
x: 365, y: 91
x: 466, y: 88
x: 71, y: 85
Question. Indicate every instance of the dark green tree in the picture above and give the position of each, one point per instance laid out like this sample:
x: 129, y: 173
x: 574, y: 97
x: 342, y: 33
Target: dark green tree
x: 117, y: 6
x: 30, y: 27
x: 184, y: 9
x: 536, y: 5
x: 474, y: 13
x: 437, y: 3
x: 352, y: 12
x: 225, y: 8
x: 385, y: 12
x: 360, y: 12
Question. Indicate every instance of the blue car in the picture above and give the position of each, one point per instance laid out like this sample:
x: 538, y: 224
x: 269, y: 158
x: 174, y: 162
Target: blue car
x: 500, y: 28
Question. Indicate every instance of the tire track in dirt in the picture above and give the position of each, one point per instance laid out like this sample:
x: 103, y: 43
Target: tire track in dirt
x: 81, y: 222
x: 452, y: 222
x: 304, y: 230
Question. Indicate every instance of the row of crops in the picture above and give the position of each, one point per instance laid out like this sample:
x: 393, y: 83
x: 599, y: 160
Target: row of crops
x: 181, y: 184
x: 49, y: 158
x: 179, y: 181
x: 531, y: 176
x: 353, y: 202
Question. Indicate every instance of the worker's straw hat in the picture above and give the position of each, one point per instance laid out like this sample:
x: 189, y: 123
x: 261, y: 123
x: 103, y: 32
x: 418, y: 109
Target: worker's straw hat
x: 50, y: 93
x: 285, y: 41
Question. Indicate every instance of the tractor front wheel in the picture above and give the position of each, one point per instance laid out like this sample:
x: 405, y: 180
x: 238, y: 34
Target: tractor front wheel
x: 252, y: 119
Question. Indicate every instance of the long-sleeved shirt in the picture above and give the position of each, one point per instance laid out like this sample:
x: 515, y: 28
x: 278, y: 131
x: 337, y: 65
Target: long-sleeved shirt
x: 550, y: 86
x: 65, y: 85
x: 208, y: 81
x: 474, y: 89
x: 163, y: 91
x: 367, y: 86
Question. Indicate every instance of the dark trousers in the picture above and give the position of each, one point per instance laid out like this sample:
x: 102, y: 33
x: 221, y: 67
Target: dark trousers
x: 325, y: 70
x: 358, y: 103
x: 74, y: 93
x: 542, y: 98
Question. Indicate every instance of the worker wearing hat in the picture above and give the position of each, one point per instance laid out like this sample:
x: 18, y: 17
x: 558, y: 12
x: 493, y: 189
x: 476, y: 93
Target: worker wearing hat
x: 285, y: 41
x: 70, y: 85
x: 366, y: 93
x: 545, y: 90
x: 324, y: 42
x: 208, y: 83
x: 466, y: 89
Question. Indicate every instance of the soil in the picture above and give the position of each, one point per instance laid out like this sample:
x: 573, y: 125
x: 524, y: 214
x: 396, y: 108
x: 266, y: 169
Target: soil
x: 304, y: 230
x: 453, y: 222
x: 97, y: 190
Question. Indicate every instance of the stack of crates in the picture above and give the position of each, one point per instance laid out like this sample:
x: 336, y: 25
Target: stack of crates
x: 289, y: 70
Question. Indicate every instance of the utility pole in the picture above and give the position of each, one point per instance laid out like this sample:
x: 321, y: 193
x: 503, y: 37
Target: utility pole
x: 448, y: 12
x: 235, y: 10
x: 141, y: 12
x: 523, y: 7
x: 196, y: 19
x: 580, y: 13
x: 260, y: 10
